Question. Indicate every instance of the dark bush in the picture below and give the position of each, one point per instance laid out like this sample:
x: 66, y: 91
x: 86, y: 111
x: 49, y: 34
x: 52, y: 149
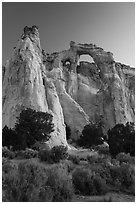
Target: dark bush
x: 54, y: 155
x: 123, y: 175
x: 103, y: 171
x: 60, y: 182
x: 8, y: 153
x: 93, y: 158
x: 7, y: 166
x: 33, y: 182
x: 99, y: 186
x: 69, y: 165
x: 31, y: 126
x: 4, y: 160
x: 23, y: 183
x: 59, y: 153
x: 27, y: 153
x: 121, y: 138
x: 126, y: 158
x: 118, y: 173
x: 92, y: 134
x: 74, y: 158
x: 99, y: 159
x: 8, y: 137
x: 102, y: 149
x: 115, y: 162
x: 45, y: 155
x: 87, y: 183
x: 82, y: 181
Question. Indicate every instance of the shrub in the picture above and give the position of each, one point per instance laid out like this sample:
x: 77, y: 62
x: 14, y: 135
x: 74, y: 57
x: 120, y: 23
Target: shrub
x: 124, y: 175
x: 121, y: 138
x: 45, y: 155
x: 102, y: 149
x: 99, y: 159
x: 58, y: 153
x: 31, y: 126
x: 27, y: 153
x: 103, y: 171
x: 86, y: 182
x: 32, y: 182
x: 74, y: 158
x: 119, y: 173
x: 69, y: 165
x: 92, y: 159
x: 82, y: 181
x: 54, y: 155
x: 92, y: 134
x: 115, y: 162
x: 23, y: 184
x: 8, y: 137
x: 122, y: 157
x: 99, y: 186
x: 4, y: 160
x: 8, y: 166
x: 60, y: 182
x: 7, y: 153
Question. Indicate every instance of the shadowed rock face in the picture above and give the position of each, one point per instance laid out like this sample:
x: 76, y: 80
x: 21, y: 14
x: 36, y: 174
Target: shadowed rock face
x: 72, y: 92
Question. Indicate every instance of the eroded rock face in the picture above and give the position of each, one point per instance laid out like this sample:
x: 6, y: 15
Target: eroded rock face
x: 104, y: 89
x: 74, y: 93
x: 24, y: 85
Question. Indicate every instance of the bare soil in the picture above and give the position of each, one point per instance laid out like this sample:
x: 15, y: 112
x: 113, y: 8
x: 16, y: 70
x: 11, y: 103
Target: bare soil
x: 109, y: 197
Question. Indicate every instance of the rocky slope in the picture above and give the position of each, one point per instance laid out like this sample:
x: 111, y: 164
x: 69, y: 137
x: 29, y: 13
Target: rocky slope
x: 74, y: 93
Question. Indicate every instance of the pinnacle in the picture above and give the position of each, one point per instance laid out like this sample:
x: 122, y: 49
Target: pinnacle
x: 30, y: 31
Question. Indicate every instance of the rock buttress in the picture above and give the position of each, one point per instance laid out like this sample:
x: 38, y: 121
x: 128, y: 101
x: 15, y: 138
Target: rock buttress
x: 24, y: 86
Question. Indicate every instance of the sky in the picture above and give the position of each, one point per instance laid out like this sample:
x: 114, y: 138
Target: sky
x: 110, y: 25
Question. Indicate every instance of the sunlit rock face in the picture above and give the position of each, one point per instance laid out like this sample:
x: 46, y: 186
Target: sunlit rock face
x: 25, y: 85
x: 74, y: 93
x: 104, y: 89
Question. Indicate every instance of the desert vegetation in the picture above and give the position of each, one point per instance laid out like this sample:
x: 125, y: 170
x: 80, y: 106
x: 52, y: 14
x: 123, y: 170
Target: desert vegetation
x: 31, y: 174
x: 31, y: 126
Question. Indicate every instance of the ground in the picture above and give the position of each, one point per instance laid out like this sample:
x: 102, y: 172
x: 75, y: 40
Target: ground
x: 114, y: 195
x: 109, y: 197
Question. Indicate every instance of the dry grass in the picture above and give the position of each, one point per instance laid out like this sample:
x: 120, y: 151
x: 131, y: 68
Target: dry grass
x: 82, y: 153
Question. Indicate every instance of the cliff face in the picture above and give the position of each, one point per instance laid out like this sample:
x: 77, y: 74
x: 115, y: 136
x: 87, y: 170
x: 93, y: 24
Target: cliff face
x: 74, y: 93
x: 25, y: 85
x: 104, y: 89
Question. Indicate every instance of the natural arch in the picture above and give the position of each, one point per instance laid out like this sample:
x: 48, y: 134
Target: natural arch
x: 85, y: 58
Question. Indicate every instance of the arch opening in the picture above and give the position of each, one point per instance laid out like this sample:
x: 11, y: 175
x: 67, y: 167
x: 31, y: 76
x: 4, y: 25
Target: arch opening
x: 87, y: 66
x: 67, y: 63
x: 85, y: 58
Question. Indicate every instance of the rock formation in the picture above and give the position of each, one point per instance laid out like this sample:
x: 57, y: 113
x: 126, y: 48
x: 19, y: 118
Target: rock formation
x: 74, y: 93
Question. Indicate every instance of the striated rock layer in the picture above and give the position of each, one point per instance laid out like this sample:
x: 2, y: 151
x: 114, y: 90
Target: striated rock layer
x: 74, y: 93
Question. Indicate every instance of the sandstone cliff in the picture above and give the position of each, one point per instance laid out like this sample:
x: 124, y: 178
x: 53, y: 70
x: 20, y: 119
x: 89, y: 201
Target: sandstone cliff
x: 104, y: 89
x: 74, y: 93
x: 24, y: 85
